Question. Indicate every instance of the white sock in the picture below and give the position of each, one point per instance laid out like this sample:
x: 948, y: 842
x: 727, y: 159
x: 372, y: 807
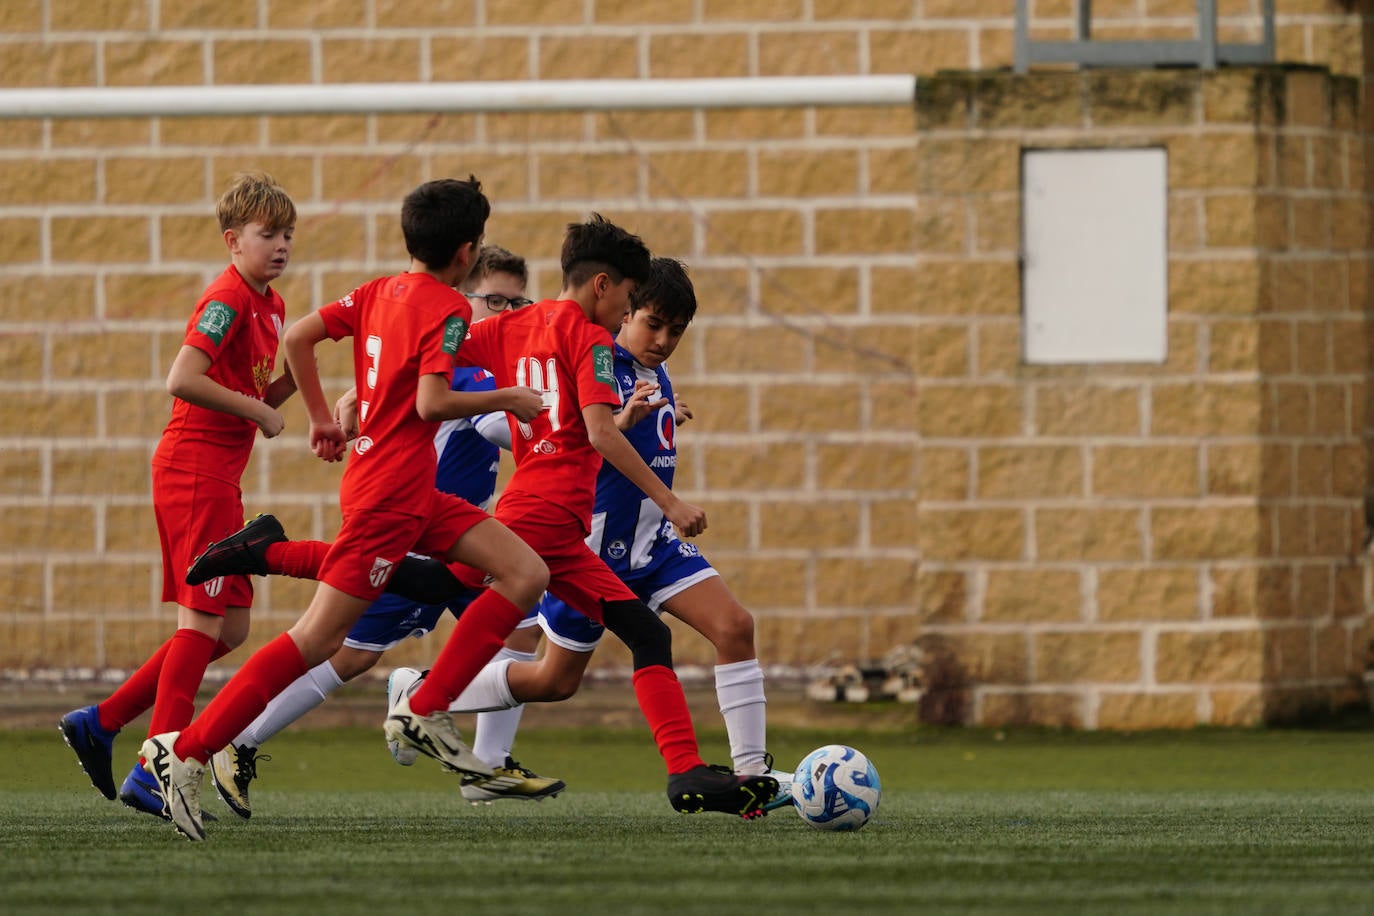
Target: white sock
x: 496, y: 729
x: 488, y: 689
x: 739, y: 689
x: 300, y: 696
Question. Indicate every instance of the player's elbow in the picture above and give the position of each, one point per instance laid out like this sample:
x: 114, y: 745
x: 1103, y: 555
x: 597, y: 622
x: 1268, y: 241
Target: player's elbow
x: 428, y: 412
x: 177, y: 384
x: 600, y: 438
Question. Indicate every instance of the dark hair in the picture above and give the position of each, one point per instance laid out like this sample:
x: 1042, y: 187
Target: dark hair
x: 600, y: 246
x: 493, y: 259
x: 441, y: 216
x: 667, y: 290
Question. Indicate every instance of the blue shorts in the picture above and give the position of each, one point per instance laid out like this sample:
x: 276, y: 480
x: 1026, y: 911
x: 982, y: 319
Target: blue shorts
x: 676, y: 567
x: 392, y: 619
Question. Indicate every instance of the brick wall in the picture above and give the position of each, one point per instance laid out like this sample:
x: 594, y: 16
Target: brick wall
x: 1131, y: 545
x: 814, y: 247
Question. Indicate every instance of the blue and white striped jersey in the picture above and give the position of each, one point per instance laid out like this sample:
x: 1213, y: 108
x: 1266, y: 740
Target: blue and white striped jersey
x: 467, y: 461
x: 626, y: 523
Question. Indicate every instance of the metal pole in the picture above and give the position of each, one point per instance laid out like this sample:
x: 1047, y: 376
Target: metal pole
x: 551, y: 95
x: 1021, y: 38
x: 1268, y: 40
x: 1207, y: 33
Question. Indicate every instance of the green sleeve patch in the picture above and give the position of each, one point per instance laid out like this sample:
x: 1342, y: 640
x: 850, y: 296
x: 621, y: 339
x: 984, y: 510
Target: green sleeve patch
x: 455, y: 330
x: 216, y: 320
x: 603, y: 365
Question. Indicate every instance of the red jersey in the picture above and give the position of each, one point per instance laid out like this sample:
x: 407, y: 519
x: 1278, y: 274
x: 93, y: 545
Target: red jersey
x: 402, y: 327
x: 552, y: 347
x: 238, y: 328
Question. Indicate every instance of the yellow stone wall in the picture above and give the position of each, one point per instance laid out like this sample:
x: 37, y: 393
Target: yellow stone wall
x: 846, y: 358
x: 1128, y: 545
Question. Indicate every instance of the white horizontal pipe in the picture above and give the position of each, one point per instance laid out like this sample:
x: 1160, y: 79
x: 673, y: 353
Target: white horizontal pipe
x: 369, y: 98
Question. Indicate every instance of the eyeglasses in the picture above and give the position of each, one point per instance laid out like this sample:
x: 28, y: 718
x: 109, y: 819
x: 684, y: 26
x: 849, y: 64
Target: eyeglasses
x: 498, y: 303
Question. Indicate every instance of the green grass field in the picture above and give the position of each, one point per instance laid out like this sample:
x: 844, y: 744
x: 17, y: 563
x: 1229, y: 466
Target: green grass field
x: 971, y: 822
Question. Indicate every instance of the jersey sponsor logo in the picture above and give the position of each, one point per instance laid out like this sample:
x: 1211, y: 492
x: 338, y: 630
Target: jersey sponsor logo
x: 214, y: 586
x: 616, y: 550
x: 215, y: 320
x: 603, y: 365
x: 362, y: 445
x: 663, y: 461
x: 381, y: 571
x: 347, y: 301
x: 545, y: 447
x: 667, y: 423
x: 455, y: 330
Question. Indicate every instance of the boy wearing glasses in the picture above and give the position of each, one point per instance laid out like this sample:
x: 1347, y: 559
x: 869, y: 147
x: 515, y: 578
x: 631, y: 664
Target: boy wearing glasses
x: 467, y: 468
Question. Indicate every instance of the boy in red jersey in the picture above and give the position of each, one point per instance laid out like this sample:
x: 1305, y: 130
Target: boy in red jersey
x: 223, y: 394
x: 563, y: 348
x: 406, y: 331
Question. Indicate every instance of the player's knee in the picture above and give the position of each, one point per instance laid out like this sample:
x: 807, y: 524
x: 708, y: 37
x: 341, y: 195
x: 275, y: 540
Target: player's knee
x: 563, y: 687
x: 233, y: 637
x: 522, y: 578
x: 734, y: 634
x: 233, y: 627
x: 648, y: 638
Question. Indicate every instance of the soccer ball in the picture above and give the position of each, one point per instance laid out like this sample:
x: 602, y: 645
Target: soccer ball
x: 836, y: 788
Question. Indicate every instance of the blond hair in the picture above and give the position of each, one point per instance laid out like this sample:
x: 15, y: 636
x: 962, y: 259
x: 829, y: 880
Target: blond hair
x: 255, y: 197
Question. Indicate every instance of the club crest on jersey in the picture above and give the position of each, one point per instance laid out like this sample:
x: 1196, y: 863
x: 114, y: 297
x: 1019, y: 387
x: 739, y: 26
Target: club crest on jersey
x: 262, y: 374
x: 455, y: 330
x: 603, y: 365
x: 381, y: 571
x: 616, y: 550
x: 215, y: 320
x: 362, y: 445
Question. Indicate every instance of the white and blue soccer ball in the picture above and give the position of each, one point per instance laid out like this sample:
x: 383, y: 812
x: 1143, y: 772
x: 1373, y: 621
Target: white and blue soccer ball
x: 836, y: 788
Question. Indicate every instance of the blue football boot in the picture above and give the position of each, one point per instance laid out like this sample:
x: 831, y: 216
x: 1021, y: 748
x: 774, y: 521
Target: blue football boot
x: 140, y: 792
x: 93, y: 745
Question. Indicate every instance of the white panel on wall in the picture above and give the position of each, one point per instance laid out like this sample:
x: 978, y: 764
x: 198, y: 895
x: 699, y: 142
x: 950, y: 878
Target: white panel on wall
x: 1094, y: 245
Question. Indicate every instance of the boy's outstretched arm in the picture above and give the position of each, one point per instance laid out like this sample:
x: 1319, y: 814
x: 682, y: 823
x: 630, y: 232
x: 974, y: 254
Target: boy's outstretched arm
x: 435, y: 401
x: 187, y: 380
x: 607, y: 439
x: 326, y: 438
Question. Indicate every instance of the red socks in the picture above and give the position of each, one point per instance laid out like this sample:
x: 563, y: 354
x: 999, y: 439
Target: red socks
x: 479, y: 635
x: 238, y: 703
x: 298, y: 559
x: 661, y: 699
x: 135, y: 695
x: 138, y: 694
x: 183, y: 668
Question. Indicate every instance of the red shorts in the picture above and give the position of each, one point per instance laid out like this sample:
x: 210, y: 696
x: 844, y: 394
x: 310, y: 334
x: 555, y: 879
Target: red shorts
x: 192, y: 511
x: 372, y: 541
x: 576, y: 574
